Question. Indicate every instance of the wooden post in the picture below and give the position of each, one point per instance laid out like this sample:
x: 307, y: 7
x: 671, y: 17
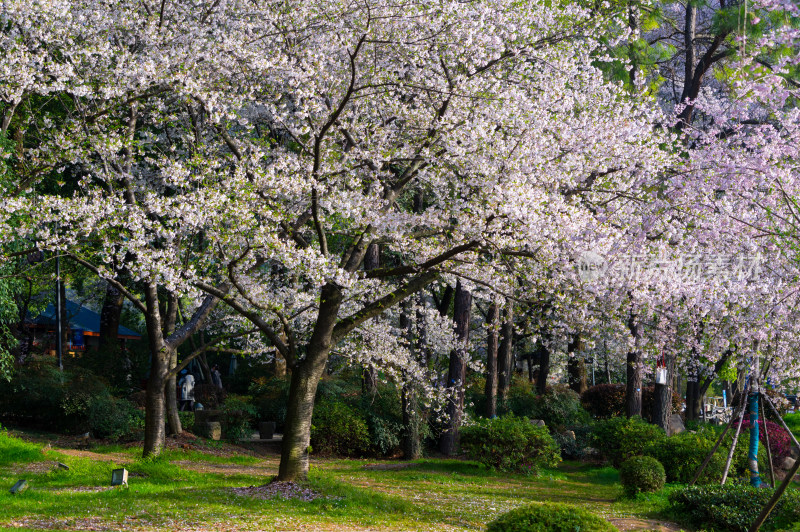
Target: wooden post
x: 733, y: 445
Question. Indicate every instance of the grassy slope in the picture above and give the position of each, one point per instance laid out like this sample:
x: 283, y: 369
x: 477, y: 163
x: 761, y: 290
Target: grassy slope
x: 429, y: 495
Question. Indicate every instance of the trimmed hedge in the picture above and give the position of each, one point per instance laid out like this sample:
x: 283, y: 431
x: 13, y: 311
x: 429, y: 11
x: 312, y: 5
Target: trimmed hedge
x: 510, y: 443
x: 683, y: 453
x: 620, y: 438
x: 549, y: 517
x: 735, y: 507
x: 642, y: 474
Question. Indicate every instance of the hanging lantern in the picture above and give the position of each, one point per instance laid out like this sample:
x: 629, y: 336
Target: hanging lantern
x: 661, y: 370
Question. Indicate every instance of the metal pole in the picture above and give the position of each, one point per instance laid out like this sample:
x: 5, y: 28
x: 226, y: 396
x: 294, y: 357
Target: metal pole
x: 59, y: 325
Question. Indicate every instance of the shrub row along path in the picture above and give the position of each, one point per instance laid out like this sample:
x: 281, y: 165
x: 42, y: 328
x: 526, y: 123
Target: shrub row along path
x: 200, y: 485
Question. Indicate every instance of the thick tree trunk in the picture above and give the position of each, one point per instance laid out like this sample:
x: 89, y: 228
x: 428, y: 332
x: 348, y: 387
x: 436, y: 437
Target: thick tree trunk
x: 692, y: 398
x: 492, y: 321
x: 154, y: 413
x: 110, y: 316
x: 662, y: 397
x: 576, y: 366
x: 505, y: 354
x: 633, y: 385
x: 303, y: 388
x: 299, y: 411
x: 457, y: 371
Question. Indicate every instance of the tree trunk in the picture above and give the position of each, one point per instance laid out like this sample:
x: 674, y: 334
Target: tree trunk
x: 155, y: 410
x: 576, y: 366
x: 505, y: 354
x: 633, y: 386
x: 662, y: 397
x: 492, y: 321
x: 171, y: 397
x: 692, y: 398
x: 411, y: 445
x: 544, y: 368
x: 457, y: 372
x: 369, y: 376
x: 110, y: 316
x: 303, y: 388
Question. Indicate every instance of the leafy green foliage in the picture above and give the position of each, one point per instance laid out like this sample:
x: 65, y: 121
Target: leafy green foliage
x: 510, y: 443
x: 558, y: 406
x: 621, y: 438
x: 734, y: 507
x: 641, y: 474
x: 113, y: 418
x: 237, y: 417
x: 549, y: 517
x: 338, y: 429
x: 685, y: 452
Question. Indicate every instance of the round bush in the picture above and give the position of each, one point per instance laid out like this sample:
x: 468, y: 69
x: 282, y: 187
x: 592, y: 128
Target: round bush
x: 642, y: 474
x: 549, y: 517
x: 620, y: 438
x: 510, y: 443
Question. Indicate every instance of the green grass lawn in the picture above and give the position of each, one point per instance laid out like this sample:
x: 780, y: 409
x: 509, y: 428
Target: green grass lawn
x: 193, y: 491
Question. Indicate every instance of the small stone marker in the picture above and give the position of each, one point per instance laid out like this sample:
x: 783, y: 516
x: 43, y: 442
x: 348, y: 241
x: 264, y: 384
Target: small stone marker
x: 211, y: 430
x: 788, y: 463
x: 676, y: 425
x: 62, y: 466
x: 538, y: 422
x: 19, y: 487
x: 119, y: 477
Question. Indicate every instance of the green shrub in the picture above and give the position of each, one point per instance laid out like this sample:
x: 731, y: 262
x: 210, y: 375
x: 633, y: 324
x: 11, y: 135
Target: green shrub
x: 684, y: 453
x: 237, y: 417
x: 734, y: 507
x: 338, y: 429
x: 110, y: 417
x: 641, y: 474
x: 549, y: 517
x: 574, y: 448
x: 43, y: 396
x: 558, y: 407
x: 270, y: 397
x: 510, y: 443
x: 187, y: 421
x: 620, y: 438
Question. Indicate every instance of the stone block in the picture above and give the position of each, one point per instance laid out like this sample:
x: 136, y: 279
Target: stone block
x: 19, y: 487
x: 788, y: 463
x: 207, y: 416
x: 676, y: 425
x: 210, y: 429
x: 538, y: 422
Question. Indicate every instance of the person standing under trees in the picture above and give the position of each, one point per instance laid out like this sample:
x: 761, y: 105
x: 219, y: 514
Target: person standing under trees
x: 216, y: 377
x: 187, y: 391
